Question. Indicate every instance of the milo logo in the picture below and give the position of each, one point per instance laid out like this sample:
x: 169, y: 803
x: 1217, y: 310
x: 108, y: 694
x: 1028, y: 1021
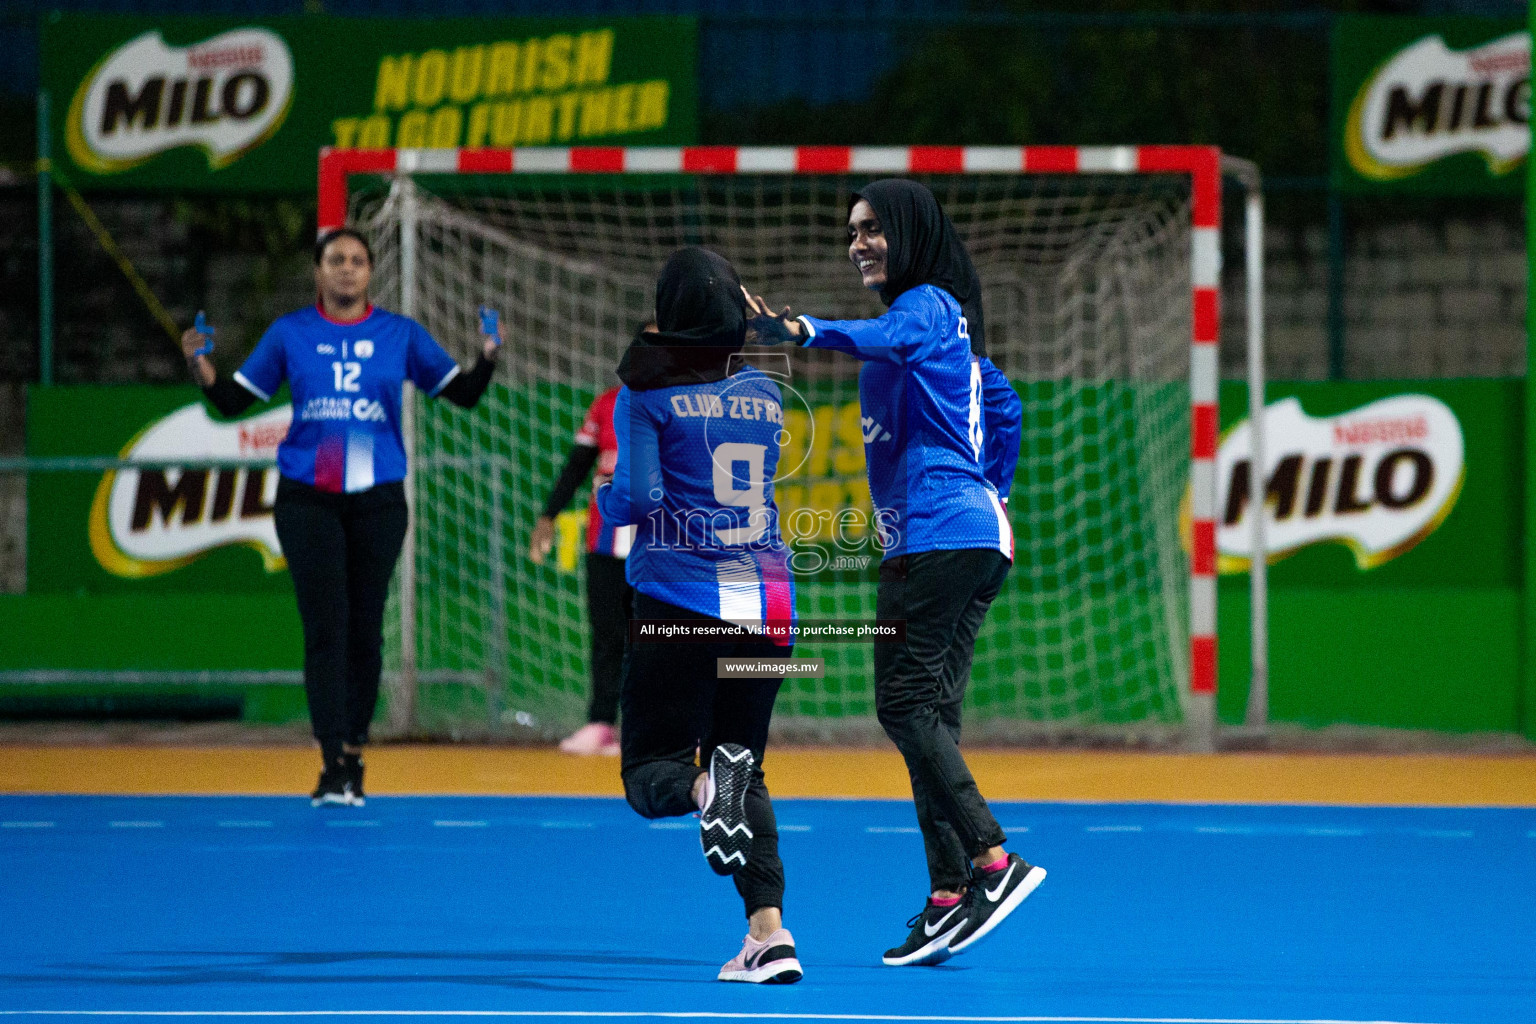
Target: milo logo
x: 1428, y: 102
x: 1379, y: 480
x: 145, y: 522
x: 227, y: 94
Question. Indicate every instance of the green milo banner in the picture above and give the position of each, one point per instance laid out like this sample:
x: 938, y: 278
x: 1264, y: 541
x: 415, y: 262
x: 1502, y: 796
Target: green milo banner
x: 244, y: 104
x: 151, y: 530
x: 1393, y: 515
x: 1430, y: 106
x: 1395, y: 532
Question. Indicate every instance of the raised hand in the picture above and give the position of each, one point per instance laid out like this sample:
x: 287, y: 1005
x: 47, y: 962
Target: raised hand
x: 542, y: 540
x: 772, y: 328
x: 494, y: 330
x: 196, y: 343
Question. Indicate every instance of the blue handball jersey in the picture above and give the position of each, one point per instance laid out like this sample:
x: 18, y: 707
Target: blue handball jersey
x: 921, y: 400
x: 346, y: 380
x: 695, y: 475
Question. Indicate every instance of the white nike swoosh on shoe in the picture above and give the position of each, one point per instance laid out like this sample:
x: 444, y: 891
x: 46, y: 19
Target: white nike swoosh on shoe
x: 993, y: 894
x: 931, y: 930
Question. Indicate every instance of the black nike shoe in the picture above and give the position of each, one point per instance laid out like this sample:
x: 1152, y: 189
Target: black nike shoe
x: 723, y: 830
x: 932, y: 930
x: 336, y: 787
x: 352, y: 764
x: 994, y: 895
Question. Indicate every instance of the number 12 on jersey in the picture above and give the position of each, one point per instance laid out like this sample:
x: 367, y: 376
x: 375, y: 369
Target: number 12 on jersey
x: 346, y: 376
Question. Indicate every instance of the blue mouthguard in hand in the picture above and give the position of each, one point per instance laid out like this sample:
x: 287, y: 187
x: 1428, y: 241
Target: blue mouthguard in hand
x: 200, y: 325
x: 489, y: 324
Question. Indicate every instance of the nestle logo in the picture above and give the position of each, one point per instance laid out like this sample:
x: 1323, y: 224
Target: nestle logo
x: 1389, y: 431
x: 216, y: 58
x: 262, y: 438
x: 1494, y: 63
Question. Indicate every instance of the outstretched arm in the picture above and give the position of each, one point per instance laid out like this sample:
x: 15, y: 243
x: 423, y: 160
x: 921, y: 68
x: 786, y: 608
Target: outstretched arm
x: 578, y: 463
x: 465, y: 389
x: 904, y: 333
x: 229, y: 398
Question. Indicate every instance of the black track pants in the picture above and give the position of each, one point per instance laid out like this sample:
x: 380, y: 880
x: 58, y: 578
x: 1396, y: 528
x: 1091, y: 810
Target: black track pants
x: 341, y: 551
x: 919, y: 686
x: 673, y: 706
x: 608, y: 601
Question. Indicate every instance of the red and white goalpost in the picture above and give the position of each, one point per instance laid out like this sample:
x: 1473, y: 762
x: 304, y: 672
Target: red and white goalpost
x: 1071, y: 244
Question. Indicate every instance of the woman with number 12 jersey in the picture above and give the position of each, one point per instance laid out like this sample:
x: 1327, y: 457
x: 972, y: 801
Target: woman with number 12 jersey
x: 340, y: 511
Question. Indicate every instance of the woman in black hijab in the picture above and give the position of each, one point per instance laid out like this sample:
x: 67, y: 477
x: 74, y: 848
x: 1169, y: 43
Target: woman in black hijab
x: 697, y: 452
x: 946, y: 540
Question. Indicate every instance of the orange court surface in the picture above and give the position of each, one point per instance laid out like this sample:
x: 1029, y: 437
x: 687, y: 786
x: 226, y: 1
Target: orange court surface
x: 1420, y: 779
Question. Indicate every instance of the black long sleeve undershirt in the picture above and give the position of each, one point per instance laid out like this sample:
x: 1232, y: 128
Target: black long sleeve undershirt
x: 577, y: 464
x: 228, y: 397
x: 466, y: 388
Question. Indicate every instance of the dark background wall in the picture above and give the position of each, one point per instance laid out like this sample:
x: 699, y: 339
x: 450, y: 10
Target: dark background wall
x: 1379, y: 290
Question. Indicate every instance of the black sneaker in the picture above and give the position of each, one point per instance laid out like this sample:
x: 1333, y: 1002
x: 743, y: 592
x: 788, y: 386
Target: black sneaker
x: 723, y: 830
x: 932, y: 930
x: 352, y: 764
x: 993, y: 895
x: 335, y: 788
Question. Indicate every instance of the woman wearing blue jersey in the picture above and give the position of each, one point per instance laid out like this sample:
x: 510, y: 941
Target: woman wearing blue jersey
x: 698, y: 446
x: 340, y: 510
x: 946, y: 540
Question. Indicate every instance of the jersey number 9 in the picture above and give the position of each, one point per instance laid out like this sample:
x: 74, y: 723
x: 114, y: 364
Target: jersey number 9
x: 725, y: 458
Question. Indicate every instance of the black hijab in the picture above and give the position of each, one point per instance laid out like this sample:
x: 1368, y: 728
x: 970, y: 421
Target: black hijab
x: 701, y: 320
x: 923, y: 247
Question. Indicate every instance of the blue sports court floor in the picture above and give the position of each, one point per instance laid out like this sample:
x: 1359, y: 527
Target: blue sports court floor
x: 542, y: 907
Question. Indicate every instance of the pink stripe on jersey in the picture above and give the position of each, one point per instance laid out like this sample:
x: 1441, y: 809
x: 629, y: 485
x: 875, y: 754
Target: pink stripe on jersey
x: 330, y: 464
x: 777, y: 606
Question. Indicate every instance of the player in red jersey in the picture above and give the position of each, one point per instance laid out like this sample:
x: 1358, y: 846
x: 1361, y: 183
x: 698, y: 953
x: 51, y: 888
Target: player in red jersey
x: 595, y: 449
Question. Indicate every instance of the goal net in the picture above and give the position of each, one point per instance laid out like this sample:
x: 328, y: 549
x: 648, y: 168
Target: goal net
x: 1088, y: 279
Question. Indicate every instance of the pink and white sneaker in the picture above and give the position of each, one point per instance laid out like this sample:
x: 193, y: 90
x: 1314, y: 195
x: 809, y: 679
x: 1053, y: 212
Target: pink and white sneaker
x: 592, y: 738
x: 770, y: 962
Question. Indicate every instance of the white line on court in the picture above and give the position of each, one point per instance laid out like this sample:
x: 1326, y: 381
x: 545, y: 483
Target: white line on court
x: 884, y: 829
x: 1113, y: 828
x: 1445, y: 833
x: 461, y: 824
x: 566, y: 824
x: 49, y: 824
x: 696, y: 1015
x: 1347, y: 832
x: 136, y: 824
x: 672, y: 824
x: 794, y: 828
x: 363, y: 823
x: 245, y: 824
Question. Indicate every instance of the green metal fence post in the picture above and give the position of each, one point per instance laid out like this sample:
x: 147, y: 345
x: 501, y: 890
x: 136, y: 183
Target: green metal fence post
x: 44, y: 242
